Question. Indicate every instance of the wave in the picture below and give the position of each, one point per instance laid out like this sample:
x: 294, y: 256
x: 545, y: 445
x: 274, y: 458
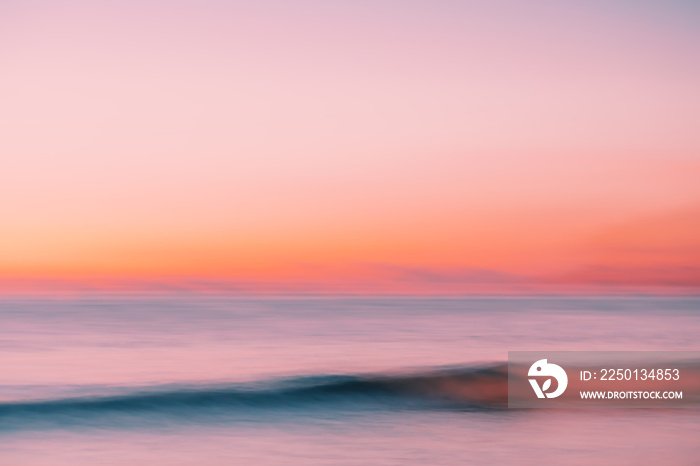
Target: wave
x: 475, y: 388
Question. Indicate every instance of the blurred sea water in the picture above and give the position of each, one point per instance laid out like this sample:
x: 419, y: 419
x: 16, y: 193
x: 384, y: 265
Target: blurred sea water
x: 205, y: 379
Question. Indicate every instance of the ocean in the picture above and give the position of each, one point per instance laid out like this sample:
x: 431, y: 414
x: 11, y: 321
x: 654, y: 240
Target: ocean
x: 214, y: 380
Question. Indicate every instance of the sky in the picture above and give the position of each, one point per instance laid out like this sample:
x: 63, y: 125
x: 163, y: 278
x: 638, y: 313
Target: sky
x: 350, y: 146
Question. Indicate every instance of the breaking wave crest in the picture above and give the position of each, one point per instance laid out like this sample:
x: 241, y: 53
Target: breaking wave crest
x: 483, y: 388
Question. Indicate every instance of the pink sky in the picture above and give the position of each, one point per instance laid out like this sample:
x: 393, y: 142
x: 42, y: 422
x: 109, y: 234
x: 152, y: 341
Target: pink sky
x: 391, y: 146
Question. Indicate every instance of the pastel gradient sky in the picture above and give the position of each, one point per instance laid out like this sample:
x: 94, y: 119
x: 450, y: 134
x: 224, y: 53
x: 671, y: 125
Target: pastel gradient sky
x: 407, y: 146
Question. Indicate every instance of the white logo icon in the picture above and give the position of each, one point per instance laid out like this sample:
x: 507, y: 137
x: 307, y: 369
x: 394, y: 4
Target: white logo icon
x: 543, y: 368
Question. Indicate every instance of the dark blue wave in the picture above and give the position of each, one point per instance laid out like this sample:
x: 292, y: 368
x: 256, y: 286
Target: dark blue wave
x: 464, y: 389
